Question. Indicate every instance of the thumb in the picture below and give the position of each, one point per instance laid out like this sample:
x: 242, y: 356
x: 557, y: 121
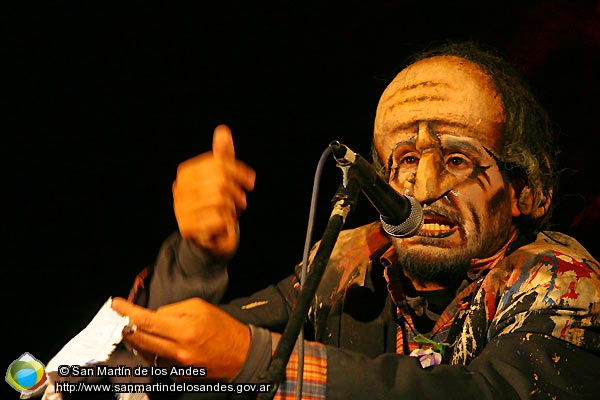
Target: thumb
x: 223, y: 143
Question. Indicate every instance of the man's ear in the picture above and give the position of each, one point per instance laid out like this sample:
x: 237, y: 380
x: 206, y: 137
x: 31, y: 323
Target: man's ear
x: 534, y: 204
x: 514, y: 206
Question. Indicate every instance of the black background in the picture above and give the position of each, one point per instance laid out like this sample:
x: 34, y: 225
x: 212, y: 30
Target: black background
x: 105, y: 100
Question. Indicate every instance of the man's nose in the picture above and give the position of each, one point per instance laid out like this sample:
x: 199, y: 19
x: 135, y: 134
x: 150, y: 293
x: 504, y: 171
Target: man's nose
x: 432, y: 179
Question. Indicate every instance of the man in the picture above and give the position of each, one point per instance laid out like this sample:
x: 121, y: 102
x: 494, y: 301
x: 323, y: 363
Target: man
x: 500, y: 308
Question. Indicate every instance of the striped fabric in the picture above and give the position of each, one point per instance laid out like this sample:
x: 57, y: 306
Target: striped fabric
x: 314, y: 379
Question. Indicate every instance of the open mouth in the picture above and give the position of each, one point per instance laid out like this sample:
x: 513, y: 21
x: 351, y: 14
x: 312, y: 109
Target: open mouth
x: 437, y: 226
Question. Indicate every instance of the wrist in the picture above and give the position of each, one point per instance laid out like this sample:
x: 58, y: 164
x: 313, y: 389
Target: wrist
x: 257, y: 358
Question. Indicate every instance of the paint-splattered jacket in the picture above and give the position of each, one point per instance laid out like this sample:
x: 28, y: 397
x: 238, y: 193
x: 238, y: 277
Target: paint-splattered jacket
x: 525, y: 325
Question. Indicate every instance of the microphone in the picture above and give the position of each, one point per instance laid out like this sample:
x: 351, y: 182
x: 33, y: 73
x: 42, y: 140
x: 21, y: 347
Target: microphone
x: 401, y: 216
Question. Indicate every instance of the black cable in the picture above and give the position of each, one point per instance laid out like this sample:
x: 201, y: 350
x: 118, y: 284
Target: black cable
x: 307, y: 246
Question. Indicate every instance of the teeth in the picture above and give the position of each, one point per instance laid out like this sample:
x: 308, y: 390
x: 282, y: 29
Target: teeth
x: 435, y: 227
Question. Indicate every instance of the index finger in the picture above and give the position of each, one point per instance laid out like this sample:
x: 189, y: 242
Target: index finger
x: 223, y: 143
x: 143, y: 318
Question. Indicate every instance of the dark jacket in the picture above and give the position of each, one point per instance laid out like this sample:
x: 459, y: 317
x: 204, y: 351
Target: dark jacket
x: 524, y: 325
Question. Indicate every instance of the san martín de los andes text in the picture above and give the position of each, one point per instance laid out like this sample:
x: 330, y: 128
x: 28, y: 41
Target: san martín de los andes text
x: 101, y: 370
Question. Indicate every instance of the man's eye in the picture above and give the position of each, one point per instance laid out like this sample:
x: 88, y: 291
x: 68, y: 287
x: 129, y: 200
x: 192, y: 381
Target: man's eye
x: 408, y: 160
x: 458, y: 162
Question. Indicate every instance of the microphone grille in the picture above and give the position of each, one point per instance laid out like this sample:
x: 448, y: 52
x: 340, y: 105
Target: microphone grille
x: 410, y: 226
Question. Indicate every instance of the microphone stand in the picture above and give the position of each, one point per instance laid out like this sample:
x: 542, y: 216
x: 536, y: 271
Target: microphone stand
x: 343, y: 202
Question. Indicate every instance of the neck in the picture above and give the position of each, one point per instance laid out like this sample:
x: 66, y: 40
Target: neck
x: 426, y: 287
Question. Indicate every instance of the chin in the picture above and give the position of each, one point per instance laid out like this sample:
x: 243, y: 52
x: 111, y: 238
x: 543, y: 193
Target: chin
x: 422, y: 249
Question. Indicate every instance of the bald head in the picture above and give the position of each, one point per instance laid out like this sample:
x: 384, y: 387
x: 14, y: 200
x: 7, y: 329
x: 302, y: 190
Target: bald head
x: 441, y: 89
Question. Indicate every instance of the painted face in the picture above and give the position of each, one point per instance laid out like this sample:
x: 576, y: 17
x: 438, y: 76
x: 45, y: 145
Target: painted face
x: 438, y: 127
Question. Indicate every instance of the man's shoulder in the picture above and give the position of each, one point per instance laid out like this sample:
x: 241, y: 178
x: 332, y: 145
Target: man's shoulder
x: 563, y: 242
x: 552, y: 258
x: 548, y: 286
x: 352, y: 254
x: 554, y: 244
x: 354, y: 245
x: 370, y: 234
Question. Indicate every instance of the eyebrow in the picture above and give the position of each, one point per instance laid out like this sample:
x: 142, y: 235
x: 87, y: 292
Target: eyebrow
x: 467, y: 145
x: 449, y: 142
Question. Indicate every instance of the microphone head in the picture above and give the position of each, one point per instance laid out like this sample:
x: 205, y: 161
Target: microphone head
x: 410, y: 226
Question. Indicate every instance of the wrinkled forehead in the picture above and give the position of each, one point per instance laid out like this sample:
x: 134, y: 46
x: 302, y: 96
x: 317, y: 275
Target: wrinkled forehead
x: 446, y: 91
